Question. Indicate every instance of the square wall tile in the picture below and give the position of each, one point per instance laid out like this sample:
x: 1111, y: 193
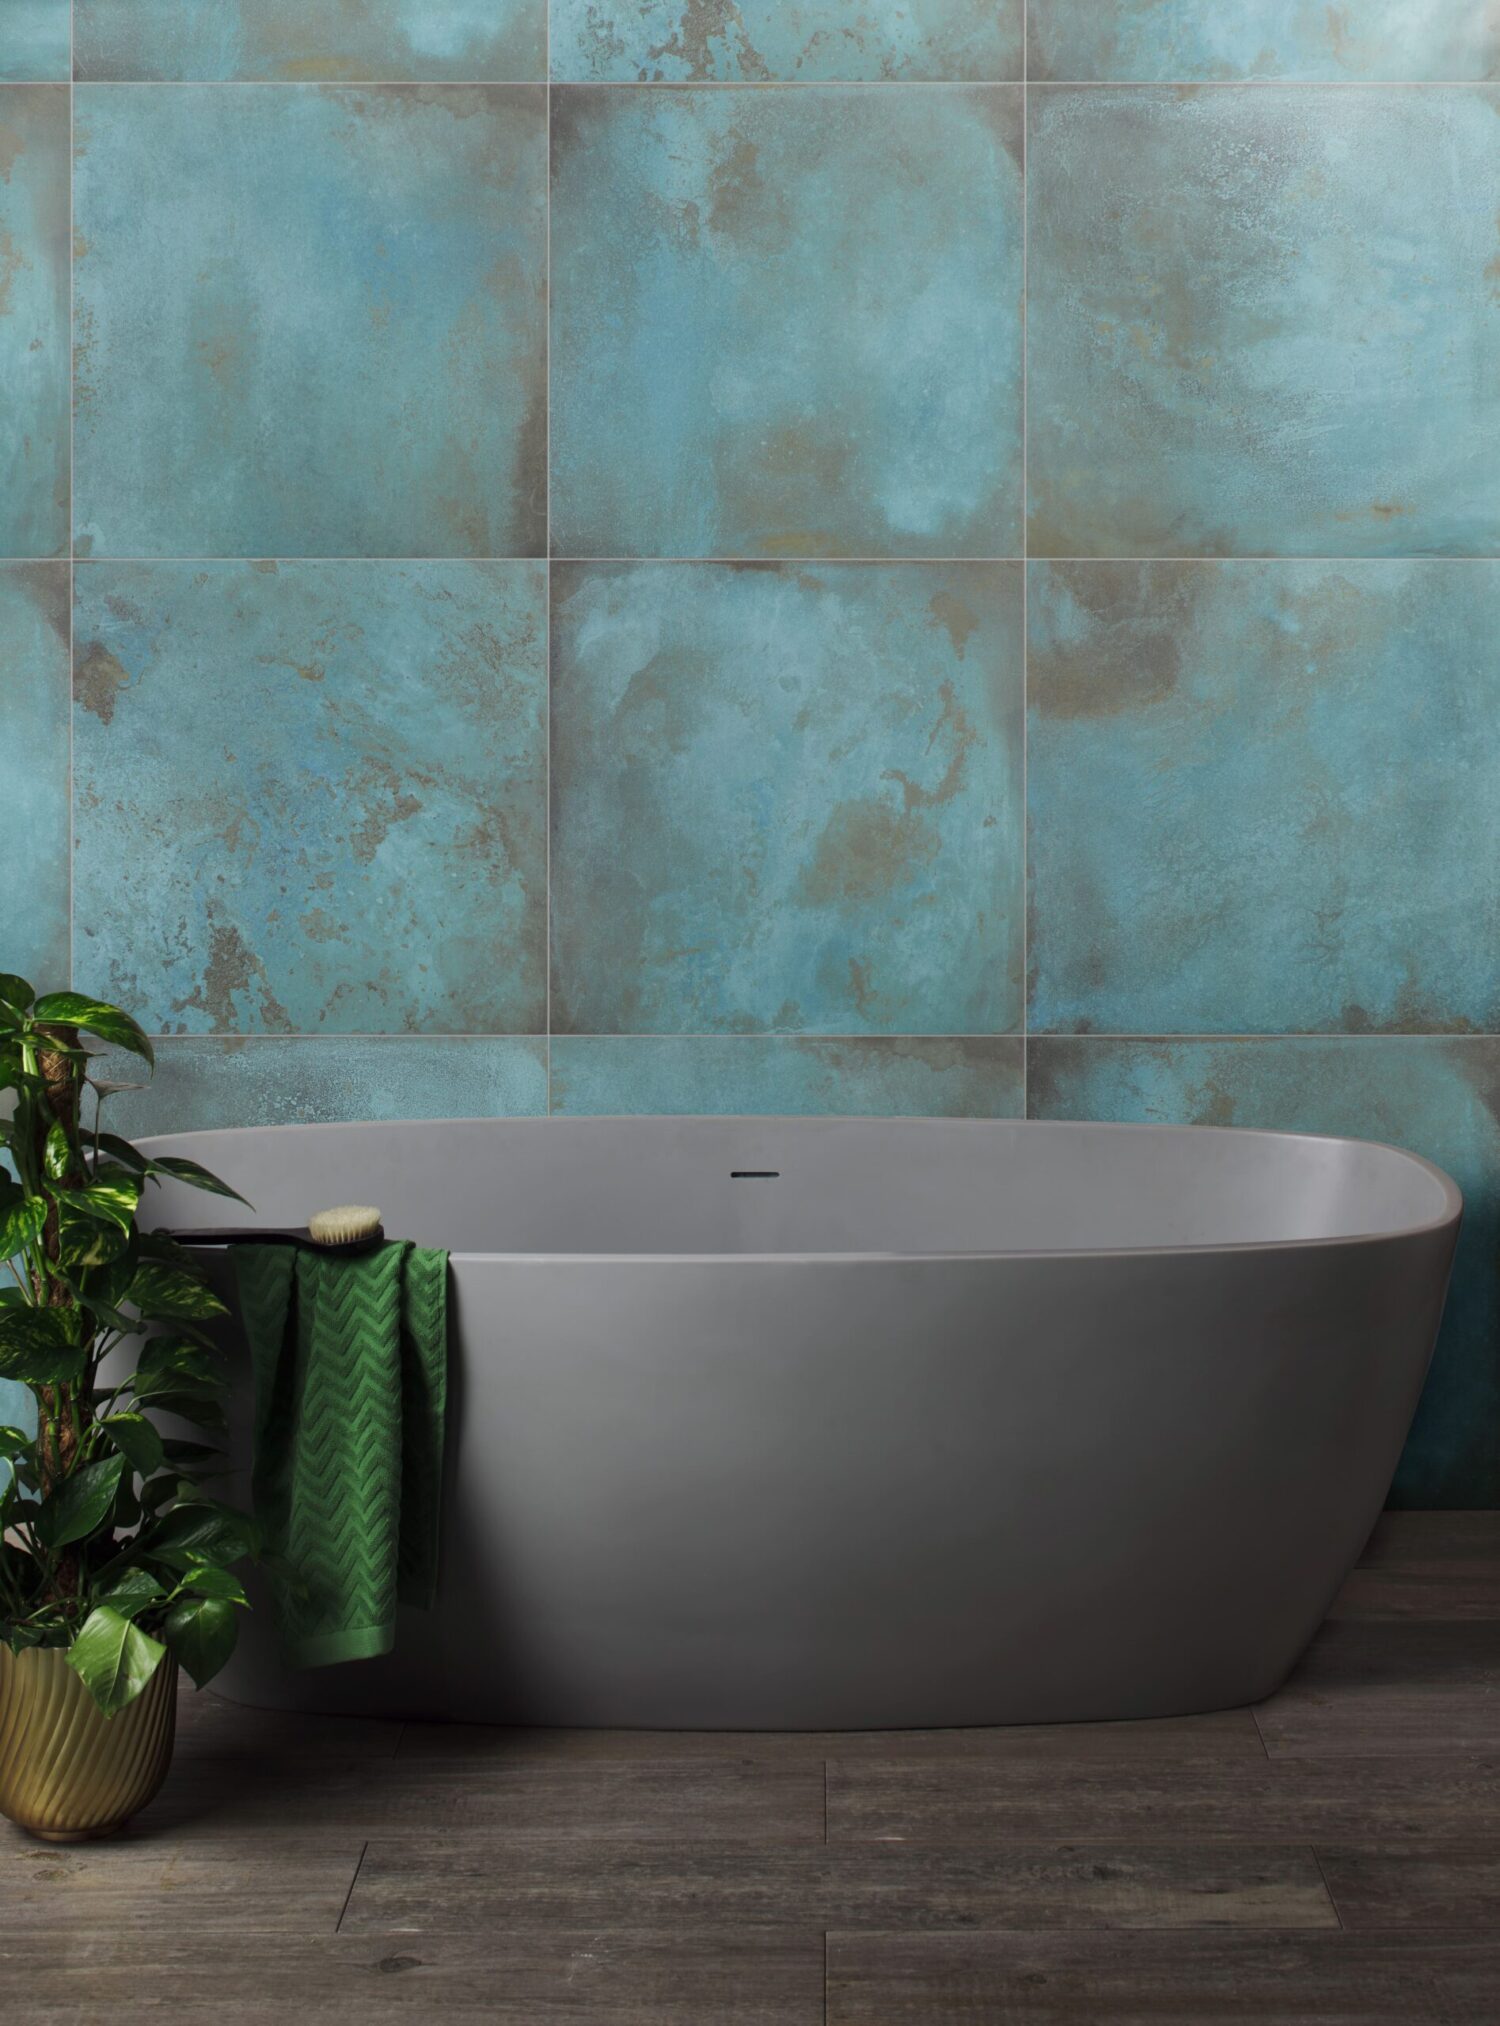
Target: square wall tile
x: 204, y: 1084
x: 310, y: 321
x: 1262, y: 797
x: 287, y: 41
x: 745, y: 1076
x: 790, y: 41
x: 35, y: 40
x: 786, y: 799
x: 34, y: 773
x: 1167, y: 41
x: 311, y: 798
x: 786, y: 322
x: 1263, y: 321
x: 33, y: 320
x: 1440, y: 1098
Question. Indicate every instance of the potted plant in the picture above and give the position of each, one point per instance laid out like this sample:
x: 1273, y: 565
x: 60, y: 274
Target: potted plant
x: 116, y: 1565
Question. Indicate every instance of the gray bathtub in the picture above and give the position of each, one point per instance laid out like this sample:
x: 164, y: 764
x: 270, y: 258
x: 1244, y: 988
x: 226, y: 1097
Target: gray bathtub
x: 819, y: 1424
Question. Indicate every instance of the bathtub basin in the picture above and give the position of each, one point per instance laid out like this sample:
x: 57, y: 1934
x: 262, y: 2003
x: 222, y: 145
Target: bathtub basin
x: 823, y: 1424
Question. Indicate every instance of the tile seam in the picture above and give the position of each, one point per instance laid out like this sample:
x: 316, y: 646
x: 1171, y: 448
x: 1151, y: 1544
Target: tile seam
x: 769, y: 562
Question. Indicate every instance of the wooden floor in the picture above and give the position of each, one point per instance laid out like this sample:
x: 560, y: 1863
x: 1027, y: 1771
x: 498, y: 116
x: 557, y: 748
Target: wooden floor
x: 1333, y: 1855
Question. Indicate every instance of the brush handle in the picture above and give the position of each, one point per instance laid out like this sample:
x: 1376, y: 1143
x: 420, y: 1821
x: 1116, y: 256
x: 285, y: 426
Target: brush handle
x: 268, y: 1234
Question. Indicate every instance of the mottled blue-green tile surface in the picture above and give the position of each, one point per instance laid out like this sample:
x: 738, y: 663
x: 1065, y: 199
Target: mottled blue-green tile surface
x: 1264, y: 320
x: 786, y: 322
x: 755, y: 1075
x: 34, y: 42
x: 33, y: 320
x: 310, y: 321
x: 800, y: 41
x: 34, y: 773
x: 1405, y: 41
x: 1440, y: 1098
x: 311, y: 798
x: 202, y: 1085
x: 1263, y: 796
x: 288, y: 40
x: 786, y: 798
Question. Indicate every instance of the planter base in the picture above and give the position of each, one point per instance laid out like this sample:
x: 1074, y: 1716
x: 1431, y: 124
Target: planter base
x: 68, y: 1773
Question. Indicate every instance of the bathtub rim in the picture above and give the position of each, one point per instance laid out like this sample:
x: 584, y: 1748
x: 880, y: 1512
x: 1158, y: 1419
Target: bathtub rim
x: 1448, y: 1219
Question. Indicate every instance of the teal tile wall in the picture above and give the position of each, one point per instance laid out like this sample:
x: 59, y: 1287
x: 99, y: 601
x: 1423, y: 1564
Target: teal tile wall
x: 34, y: 824
x: 786, y: 322
x: 643, y: 555
x: 300, y: 41
x: 1398, y: 41
x: 1263, y: 797
x: 786, y: 797
x: 34, y: 422
x: 34, y: 40
x: 310, y: 320
x: 741, y: 1076
x: 785, y: 41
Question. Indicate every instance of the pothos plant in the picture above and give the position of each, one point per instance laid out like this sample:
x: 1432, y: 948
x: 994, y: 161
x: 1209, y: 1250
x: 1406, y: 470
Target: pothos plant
x: 110, y: 1544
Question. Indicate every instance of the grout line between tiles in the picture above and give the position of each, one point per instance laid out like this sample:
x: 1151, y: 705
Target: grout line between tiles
x: 1025, y: 551
x: 765, y: 562
x: 547, y: 565
x: 955, y: 84
x: 798, y: 1034
x: 72, y: 542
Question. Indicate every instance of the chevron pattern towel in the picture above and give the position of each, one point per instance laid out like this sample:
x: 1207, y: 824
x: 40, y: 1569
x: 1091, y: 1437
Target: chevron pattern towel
x: 350, y: 1359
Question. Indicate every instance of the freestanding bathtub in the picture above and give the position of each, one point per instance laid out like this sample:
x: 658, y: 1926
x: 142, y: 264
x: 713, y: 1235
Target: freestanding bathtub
x: 816, y: 1423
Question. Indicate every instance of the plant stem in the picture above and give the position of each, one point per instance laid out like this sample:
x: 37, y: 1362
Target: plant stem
x: 57, y: 1448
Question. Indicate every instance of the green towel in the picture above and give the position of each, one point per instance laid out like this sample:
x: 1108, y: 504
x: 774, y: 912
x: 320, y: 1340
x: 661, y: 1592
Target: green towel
x: 350, y: 1358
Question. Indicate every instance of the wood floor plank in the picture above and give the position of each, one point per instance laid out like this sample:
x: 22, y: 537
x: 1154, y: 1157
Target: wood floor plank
x: 1222, y: 1734
x: 1329, y: 1979
x: 1445, y: 1885
x: 565, y: 1978
x: 1293, y: 1800
x: 1370, y: 1689
x: 208, y: 1726
x: 596, y: 1800
x: 476, y: 1884
x: 169, y: 1885
x: 1427, y: 1565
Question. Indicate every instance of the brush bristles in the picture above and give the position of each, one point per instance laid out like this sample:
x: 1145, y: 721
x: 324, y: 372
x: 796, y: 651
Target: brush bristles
x: 346, y: 1224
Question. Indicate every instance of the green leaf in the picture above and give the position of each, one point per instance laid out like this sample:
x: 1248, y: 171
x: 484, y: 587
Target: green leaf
x: 206, y: 1579
x: 136, y: 1440
x: 198, y: 1533
x: 131, y: 1592
x: 79, y: 1504
x: 163, y: 1293
x: 84, y: 1242
x: 15, y: 1442
x: 179, y: 1170
x: 73, y: 1009
x: 111, y: 1198
x: 21, y: 1220
x: 159, y: 1245
x: 57, y: 1154
x: 123, y: 1152
x: 39, y: 1346
x: 190, y: 1455
x: 197, y: 1412
x: 15, y: 992
x: 114, y: 1659
x: 176, y: 1353
x: 201, y: 1631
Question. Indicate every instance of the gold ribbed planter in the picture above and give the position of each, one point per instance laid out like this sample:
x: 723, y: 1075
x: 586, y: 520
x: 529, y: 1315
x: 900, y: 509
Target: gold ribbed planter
x: 67, y: 1771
